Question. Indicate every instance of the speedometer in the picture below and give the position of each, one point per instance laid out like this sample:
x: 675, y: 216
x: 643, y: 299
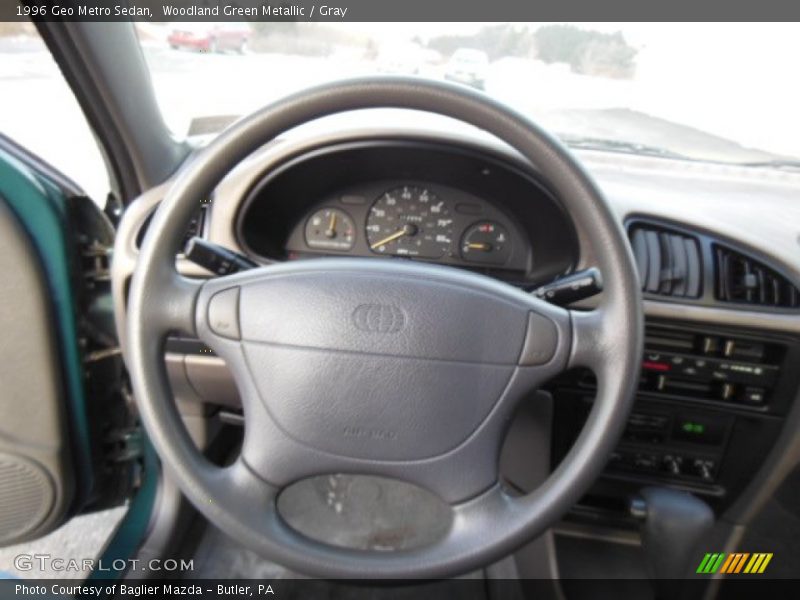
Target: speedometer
x: 410, y: 221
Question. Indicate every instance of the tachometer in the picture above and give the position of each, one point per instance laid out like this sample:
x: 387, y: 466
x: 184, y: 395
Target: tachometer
x: 410, y: 221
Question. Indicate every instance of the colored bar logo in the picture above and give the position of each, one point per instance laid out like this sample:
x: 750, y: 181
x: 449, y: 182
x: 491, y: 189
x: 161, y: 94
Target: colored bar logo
x: 734, y: 563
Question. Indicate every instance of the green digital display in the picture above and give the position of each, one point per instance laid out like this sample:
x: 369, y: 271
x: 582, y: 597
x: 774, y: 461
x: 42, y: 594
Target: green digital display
x: 692, y: 427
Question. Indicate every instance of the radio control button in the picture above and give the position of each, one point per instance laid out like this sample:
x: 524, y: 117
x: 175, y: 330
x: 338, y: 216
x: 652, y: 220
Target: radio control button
x: 753, y: 395
x: 727, y: 391
x: 710, y: 345
x: 661, y: 383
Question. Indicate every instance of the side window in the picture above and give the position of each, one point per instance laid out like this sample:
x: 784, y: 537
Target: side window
x: 39, y: 111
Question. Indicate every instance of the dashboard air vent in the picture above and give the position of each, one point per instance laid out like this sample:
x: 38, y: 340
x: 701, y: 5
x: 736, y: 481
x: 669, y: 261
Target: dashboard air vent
x: 743, y: 279
x: 669, y: 262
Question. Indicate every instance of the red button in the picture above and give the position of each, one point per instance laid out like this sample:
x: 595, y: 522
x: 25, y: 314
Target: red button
x: 655, y: 366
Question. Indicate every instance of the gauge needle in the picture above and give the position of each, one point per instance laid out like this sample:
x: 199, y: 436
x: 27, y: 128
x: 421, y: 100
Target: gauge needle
x: 407, y: 229
x: 331, y: 231
x: 479, y: 246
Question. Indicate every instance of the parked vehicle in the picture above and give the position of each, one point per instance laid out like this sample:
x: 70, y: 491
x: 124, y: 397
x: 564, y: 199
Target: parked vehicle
x: 468, y: 66
x: 210, y: 37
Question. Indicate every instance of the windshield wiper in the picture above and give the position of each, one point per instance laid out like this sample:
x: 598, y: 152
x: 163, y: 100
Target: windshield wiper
x: 608, y: 145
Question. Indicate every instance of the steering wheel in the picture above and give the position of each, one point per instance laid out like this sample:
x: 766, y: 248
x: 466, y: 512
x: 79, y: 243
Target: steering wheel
x: 382, y: 367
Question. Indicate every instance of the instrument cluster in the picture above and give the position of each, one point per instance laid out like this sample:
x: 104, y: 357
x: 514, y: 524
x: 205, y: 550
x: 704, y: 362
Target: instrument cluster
x: 410, y: 200
x: 412, y: 220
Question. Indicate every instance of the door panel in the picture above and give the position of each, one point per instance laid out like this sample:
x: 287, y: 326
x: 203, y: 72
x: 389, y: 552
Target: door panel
x: 44, y: 446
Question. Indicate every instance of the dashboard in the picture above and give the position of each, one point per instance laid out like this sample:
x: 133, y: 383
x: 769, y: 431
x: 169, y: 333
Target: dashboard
x: 717, y: 411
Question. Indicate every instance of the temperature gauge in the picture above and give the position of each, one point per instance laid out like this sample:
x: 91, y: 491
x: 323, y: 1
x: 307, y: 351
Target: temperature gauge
x: 330, y: 229
x: 486, y: 242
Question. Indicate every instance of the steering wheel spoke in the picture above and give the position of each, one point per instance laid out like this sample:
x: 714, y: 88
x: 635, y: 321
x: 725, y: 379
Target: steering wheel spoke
x: 244, y: 487
x: 590, y: 338
x: 172, y: 309
x: 178, y: 305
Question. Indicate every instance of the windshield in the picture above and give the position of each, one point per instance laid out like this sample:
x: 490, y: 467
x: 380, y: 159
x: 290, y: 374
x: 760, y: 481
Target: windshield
x: 717, y: 92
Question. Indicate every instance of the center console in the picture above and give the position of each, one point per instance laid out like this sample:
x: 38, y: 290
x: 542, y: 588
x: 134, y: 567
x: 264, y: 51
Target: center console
x: 709, y: 407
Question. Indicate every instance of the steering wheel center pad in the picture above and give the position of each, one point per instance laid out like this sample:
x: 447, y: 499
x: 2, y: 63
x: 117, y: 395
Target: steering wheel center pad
x: 381, y: 362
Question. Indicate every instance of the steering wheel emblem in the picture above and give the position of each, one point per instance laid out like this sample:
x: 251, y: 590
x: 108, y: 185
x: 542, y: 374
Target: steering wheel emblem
x: 379, y: 318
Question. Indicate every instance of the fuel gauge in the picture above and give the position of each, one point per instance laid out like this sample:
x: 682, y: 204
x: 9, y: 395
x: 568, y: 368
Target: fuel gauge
x: 486, y: 242
x: 330, y: 229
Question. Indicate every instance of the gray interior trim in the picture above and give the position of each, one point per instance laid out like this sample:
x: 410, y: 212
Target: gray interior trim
x: 36, y: 469
x: 775, y: 322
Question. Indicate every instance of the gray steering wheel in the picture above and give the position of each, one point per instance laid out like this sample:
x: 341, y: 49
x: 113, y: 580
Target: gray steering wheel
x: 382, y: 367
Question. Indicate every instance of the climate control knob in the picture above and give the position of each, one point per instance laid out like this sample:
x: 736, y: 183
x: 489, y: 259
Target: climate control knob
x: 672, y: 464
x: 703, y: 468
